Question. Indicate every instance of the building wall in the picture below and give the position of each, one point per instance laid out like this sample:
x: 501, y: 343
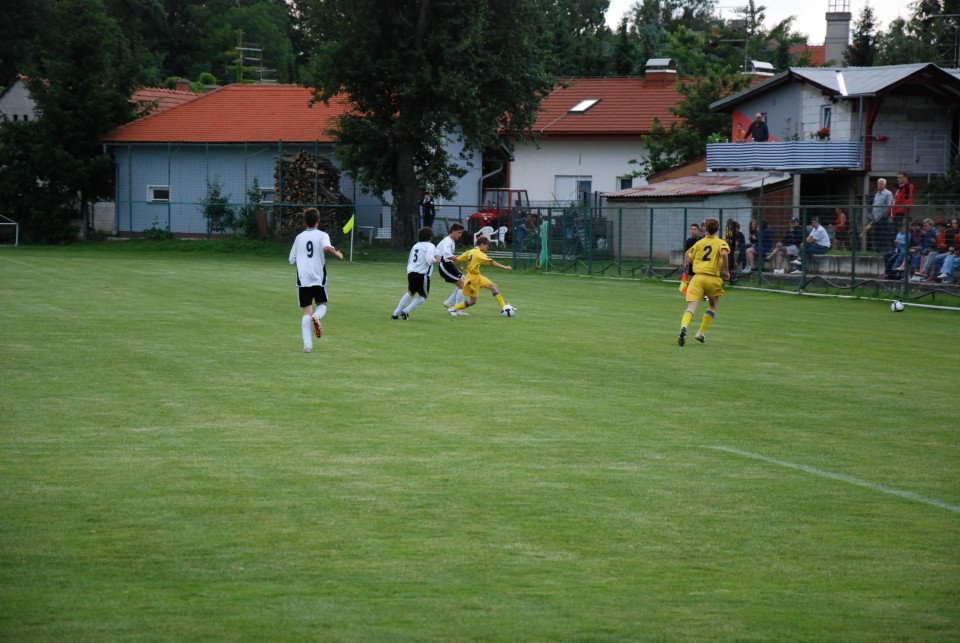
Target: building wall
x: 918, y: 130
x: 535, y: 168
x: 16, y: 103
x: 844, y: 120
x: 782, y: 107
x: 659, y: 227
x: 186, y: 169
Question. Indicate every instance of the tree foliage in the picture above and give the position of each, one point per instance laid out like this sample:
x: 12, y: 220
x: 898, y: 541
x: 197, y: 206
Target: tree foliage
x: 863, y: 48
x: 81, y: 87
x: 420, y: 75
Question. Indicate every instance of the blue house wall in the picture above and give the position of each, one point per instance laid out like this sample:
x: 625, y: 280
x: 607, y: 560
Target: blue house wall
x: 186, y: 169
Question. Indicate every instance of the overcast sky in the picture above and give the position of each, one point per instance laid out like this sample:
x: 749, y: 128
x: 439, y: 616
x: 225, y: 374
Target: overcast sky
x: 810, y: 18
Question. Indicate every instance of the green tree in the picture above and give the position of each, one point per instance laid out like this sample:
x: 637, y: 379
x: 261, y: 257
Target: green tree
x: 579, y: 36
x: 420, y: 75
x: 706, y: 80
x: 22, y: 24
x: 81, y: 88
x: 863, y: 49
x: 929, y: 35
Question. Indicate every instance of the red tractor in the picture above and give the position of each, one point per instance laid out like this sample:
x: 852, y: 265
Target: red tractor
x: 501, y: 207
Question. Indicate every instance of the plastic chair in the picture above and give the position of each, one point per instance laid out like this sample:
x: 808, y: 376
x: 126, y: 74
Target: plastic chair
x: 499, y: 237
x: 486, y: 231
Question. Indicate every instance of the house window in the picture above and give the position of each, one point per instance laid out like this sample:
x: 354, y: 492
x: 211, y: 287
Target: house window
x: 624, y: 182
x: 267, y: 195
x: 158, y: 193
x: 570, y: 189
x: 825, y: 113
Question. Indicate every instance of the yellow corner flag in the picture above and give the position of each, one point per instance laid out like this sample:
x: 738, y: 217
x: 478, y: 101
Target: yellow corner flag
x: 348, y: 226
x: 683, y: 283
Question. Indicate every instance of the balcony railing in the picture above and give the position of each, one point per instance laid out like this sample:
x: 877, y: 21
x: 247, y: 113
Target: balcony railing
x: 916, y: 155
x: 790, y: 155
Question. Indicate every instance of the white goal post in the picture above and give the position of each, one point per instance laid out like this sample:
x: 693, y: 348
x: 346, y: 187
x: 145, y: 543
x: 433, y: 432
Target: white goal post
x: 6, y: 222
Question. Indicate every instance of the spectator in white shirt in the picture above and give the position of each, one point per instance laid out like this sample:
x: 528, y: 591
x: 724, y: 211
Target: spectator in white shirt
x: 818, y: 240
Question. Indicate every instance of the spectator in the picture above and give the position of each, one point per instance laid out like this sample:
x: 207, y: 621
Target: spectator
x: 945, y: 242
x: 818, y: 241
x: 902, y: 199
x: 758, y: 129
x: 951, y: 263
x: 841, y: 230
x: 734, y: 239
x: 880, y: 217
x: 927, y: 242
x: 739, y: 136
x: 788, y: 247
x: 760, y: 249
x: 427, y: 209
x: 753, y: 235
x: 894, y: 259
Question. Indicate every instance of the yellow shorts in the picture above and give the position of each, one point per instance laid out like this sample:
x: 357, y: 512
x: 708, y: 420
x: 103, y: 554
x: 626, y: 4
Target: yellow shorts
x: 700, y: 286
x: 473, y: 284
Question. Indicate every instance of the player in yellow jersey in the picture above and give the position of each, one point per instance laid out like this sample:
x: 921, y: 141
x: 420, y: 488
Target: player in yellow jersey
x: 474, y: 258
x: 708, y: 256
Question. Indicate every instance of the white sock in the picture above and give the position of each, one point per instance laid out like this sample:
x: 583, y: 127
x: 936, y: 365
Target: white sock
x: 458, y: 296
x: 320, y: 312
x: 306, y: 328
x: 403, y: 303
x: 412, y: 307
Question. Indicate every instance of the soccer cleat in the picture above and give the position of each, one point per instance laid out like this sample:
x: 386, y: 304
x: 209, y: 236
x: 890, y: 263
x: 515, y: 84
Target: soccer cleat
x: 395, y: 316
x: 700, y: 338
x: 682, y: 338
x: 462, y: 313
x: 453, y: 313
x: 404, y: 315
x: 448, y: 305
x: 307, y: 350
x: 317, y: 328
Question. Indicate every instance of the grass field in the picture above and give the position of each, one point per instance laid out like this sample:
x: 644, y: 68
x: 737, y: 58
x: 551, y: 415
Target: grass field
x: 174, y: 467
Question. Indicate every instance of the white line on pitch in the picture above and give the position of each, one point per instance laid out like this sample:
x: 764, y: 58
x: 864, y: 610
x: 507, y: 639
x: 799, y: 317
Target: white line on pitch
x: 842, y: 478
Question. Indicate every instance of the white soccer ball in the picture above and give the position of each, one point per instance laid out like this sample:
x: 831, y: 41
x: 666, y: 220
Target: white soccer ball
x: 508, y: 311
x: 896, y: 307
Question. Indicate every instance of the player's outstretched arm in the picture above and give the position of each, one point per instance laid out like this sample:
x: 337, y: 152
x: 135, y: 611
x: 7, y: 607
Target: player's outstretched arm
x: 336, y: 253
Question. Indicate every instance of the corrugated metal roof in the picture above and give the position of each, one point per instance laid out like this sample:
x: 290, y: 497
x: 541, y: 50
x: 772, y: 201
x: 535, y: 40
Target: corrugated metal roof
x: 701, y: 185
x: 238, y: 114
x: 852, y: 82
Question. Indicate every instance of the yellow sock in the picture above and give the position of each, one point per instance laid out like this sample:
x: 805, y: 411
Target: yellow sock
x: 460, y: 306
x: 687, y: 318
x: 499, y: 299
x: 707, y: 320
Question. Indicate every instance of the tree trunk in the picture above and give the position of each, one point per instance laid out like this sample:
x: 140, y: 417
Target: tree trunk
x: 405, y: 195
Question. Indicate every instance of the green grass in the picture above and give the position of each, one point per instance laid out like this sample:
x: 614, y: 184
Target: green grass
x: 173, y: 466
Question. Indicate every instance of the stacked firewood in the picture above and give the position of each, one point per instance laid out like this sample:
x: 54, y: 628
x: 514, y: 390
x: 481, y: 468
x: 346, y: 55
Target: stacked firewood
x: 310, y: 180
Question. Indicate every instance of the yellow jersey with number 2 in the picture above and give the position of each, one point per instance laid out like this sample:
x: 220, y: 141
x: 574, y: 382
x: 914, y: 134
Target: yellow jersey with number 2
x: 707, y: 256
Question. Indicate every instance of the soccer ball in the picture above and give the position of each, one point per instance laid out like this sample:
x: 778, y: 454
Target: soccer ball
x: 508, y: 311
x: 896, y: 307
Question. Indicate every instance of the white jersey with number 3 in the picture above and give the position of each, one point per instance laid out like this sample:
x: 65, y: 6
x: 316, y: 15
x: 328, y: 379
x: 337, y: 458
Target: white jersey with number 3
x: 421, y: 258
x: 307, y: 254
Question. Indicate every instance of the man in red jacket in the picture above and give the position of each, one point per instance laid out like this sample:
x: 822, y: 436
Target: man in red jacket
x: 902, y: 200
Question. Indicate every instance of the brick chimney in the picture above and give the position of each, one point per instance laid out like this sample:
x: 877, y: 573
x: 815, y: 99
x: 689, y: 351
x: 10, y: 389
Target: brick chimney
x: 660, y: 72
x: 183, y: 85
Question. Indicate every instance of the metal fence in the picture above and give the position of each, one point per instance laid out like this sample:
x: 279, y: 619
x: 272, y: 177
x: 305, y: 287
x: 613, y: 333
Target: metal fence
x: 647, y: 241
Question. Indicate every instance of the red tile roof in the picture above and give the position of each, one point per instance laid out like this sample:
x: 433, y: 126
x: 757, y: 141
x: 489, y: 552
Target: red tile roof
x: 818, y: 54
x: 626, y: 108
x: 154, y: 99
x: 237, y: 114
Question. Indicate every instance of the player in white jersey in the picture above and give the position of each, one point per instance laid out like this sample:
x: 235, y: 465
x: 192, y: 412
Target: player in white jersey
x: 423, y: 255
x: 307, y: 255
x: 449, y: 268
